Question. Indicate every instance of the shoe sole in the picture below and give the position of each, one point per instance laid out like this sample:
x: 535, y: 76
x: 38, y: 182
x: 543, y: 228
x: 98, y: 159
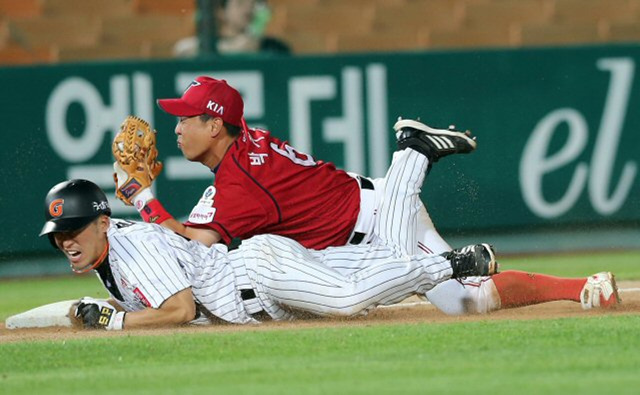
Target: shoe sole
x: 403, y: 123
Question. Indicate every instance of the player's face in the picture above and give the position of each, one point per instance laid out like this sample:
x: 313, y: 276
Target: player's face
x: 84, y: 246
x: 194, y: 138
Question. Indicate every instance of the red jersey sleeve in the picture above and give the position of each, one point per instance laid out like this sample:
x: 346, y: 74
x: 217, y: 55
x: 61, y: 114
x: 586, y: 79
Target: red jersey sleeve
x: 228, y: 210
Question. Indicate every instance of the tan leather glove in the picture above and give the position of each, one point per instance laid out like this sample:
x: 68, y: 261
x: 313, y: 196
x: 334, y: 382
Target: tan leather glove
x: 135, y: 152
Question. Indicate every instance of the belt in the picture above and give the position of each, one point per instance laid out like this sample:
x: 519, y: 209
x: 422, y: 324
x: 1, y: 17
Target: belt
x: 247, y: 294
x: 357, y: 238
x: 365, y: 183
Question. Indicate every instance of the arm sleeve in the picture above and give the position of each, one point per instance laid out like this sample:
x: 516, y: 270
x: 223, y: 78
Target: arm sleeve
x: 236, y: 213
x: 153, y: 269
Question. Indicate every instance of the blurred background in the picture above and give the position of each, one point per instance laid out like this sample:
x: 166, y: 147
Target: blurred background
x: 59, y: 31
x: 548, y: 86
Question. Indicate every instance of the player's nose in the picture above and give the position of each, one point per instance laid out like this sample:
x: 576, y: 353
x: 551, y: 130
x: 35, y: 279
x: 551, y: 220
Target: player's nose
x: 62, y: 240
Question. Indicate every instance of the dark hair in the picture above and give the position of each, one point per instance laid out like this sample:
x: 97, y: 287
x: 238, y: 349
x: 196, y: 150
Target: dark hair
x: 232, y: 130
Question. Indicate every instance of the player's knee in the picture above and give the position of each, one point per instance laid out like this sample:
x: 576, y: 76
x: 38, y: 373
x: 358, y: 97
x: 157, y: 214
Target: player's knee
x: 476, y: 295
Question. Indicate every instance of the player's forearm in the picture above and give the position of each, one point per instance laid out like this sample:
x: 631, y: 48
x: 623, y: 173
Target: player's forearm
x: 115, y: 304
x: 154, y: 212
x: 150, y: 208
x: 157, y: 318
x: 177, y: 309
x: 176, y: 226
x: 205, y: 236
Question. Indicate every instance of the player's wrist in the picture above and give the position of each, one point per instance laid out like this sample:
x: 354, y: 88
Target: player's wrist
x: 153, y: 212
x: 142, y: 198
x: 118, y: 322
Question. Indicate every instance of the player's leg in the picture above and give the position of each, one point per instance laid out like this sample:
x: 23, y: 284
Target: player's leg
x: 510, y: 288
x: 454, y: 297
x: 483, y: 294
x: 399, y: 216
x: 400, y: 201
x: 285, y: 272
x: 429, y: 240
x: 518, y: 288
x: 418, y: 147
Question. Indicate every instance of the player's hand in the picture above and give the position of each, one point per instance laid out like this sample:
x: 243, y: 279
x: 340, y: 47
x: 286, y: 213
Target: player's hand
x: 99, y: 314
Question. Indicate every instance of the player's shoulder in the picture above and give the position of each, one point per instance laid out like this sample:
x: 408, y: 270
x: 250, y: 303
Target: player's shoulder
x: 135, y: 234
x: 258, y: 133
x: 129, y: 229
x: 255, y: 138
x: 249, y: 154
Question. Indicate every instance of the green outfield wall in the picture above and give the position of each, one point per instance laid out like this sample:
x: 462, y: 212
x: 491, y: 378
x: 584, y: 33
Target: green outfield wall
x: 558, y: 130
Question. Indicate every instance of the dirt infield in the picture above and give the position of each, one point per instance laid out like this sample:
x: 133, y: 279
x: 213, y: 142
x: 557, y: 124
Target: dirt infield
x: 410, y: 312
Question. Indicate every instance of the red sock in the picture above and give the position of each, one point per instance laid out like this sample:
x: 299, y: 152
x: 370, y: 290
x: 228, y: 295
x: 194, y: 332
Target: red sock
x: 518, y: 288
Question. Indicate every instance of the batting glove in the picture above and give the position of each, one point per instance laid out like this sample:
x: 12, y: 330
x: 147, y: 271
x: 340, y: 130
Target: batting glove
x: 99, y: 314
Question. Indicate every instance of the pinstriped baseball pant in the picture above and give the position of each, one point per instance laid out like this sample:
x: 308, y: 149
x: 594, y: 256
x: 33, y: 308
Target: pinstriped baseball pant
x: 349, y: 280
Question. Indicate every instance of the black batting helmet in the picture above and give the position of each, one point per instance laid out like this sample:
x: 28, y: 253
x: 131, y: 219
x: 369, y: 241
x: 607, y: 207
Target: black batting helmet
x: 70, y: 205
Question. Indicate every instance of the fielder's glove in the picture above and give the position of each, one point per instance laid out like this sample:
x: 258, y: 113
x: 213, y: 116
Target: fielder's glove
x: 99, y: 314
x: 136, y: 165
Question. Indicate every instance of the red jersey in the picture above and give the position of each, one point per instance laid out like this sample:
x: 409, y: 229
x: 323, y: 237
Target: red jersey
x: 263, y: 185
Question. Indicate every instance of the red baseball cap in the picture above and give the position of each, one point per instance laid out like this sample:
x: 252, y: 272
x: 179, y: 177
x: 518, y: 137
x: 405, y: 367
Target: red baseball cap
x: 206, y: 95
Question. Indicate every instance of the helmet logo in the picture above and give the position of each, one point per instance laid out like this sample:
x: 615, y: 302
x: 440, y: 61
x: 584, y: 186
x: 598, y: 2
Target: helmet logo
x: 55, y: 208
x: 99, y: 206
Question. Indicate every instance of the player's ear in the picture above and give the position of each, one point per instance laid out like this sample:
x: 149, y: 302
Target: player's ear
x: 216, y: 126
x: 103, y: 223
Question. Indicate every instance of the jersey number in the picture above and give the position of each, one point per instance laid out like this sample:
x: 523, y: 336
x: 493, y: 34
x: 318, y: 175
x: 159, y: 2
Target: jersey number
x: 293, y: 155
x: 123, y: 223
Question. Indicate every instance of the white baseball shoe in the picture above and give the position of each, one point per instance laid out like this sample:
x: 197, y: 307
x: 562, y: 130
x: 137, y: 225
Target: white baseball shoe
x: 600, y: 290
x: 431, y: 142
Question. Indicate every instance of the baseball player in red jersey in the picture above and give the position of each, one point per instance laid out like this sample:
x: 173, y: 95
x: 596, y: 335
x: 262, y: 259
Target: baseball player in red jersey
x: 283, y: 188
x: 263, y: 185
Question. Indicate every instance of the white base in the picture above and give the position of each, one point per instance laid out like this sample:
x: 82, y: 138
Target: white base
x: 53, y: 314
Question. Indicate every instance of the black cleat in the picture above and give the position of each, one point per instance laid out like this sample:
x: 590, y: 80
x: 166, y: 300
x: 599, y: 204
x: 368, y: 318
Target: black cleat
x: 433, y: 143
x: 473, y: 260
